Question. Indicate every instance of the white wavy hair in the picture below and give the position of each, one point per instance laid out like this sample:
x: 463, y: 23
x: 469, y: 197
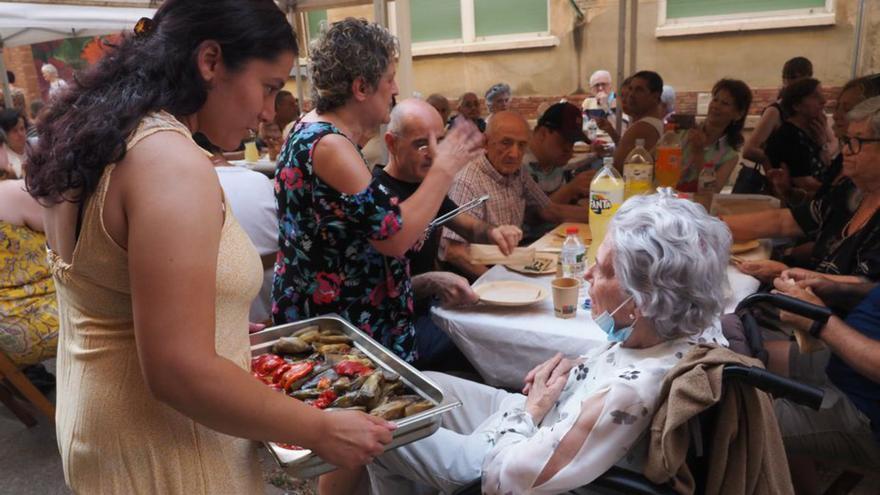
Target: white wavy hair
x: 671, y: 257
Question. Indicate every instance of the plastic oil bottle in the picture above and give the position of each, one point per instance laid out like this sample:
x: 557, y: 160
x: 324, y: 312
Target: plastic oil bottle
x: 638, y: 171
x: 606, y: 196
x: 667, y: 171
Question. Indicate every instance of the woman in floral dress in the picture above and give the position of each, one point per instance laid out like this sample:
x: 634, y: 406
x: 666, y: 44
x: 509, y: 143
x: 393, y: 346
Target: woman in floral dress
x: 342, y: 236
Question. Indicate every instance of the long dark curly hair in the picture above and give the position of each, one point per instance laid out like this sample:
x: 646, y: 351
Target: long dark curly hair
x: 742, y: 98
x: 85, y: 128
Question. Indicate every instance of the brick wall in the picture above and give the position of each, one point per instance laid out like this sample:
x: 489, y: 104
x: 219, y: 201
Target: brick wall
x: 686, y: 101
x: 20, y: 60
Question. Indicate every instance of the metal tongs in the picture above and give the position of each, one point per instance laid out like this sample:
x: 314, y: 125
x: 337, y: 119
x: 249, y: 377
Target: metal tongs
x: 470, y: 205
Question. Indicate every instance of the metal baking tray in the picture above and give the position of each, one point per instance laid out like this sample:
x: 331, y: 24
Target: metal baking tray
x: 303, y: 463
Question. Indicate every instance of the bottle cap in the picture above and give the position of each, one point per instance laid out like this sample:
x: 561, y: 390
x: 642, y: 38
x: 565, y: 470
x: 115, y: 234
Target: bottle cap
x: 571, y: 230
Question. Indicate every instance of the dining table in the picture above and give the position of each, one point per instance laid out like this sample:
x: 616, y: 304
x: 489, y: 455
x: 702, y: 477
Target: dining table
x: 504, y: 342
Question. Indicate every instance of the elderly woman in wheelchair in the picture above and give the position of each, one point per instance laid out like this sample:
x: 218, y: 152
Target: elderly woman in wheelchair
x: 658, y: 281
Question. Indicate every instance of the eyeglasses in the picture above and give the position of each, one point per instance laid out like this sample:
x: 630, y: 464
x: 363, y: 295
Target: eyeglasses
x: 425, y: 149
x: 854, y: 143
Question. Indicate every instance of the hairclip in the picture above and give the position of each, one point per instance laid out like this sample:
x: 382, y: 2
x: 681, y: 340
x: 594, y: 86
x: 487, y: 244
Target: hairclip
x: 144, y: 27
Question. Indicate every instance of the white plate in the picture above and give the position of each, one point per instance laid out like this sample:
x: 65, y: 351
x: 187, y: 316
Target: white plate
x: 262, y: 165
x: 543, y: 264
x: 510, y: 293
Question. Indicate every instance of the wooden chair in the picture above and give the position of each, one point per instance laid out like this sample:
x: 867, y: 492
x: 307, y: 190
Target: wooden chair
x: 14, y: 380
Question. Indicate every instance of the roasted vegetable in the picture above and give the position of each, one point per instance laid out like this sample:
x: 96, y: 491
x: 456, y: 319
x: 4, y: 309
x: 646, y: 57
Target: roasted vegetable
x: 266, y: 363
x: 296, y: 372
x: 323, y: 369
x: 393, y: 409
x: 417, y: 407
x: 291, y: 345
x: 332, y: 348
x: 352, y: 368
x: 325, y: 399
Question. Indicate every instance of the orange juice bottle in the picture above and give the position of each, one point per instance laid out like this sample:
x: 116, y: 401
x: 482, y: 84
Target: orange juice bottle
x: 667, y: 168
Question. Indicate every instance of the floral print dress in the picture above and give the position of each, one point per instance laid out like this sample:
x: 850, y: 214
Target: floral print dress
x: 28, y: 308
x: 326, y: 263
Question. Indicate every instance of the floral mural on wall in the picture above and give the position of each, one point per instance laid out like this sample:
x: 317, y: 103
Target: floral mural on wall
x: 69, y: 56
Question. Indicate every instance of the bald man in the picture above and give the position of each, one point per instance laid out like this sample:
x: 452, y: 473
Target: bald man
x: 408, y: 138
x: 409, y: 160
x: 500, y: 174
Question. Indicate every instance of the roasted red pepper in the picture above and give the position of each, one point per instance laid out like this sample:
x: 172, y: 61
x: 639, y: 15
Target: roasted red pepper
x: 280, y: 371
x: 266, y: 363
x: 296, y: 372
x: 325, y: 399
x: 263, y: 378
x: 289, y: 446
x: 352, y: 368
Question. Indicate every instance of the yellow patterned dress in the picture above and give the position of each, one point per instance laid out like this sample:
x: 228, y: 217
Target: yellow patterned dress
x: 28, y: 308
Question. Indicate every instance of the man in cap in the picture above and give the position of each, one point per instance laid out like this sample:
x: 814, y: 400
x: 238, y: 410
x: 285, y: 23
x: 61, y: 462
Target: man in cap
x: 551, y: 148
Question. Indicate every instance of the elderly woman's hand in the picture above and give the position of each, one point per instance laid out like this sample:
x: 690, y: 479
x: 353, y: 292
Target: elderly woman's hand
x: 549, y: 379
x: 763, y: 270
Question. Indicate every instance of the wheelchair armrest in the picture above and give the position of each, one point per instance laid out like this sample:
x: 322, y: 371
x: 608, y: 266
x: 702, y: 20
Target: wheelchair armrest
x: 787, y: 303
x: 615, y: 480
x: 775, y: 385
x: 620, y: 480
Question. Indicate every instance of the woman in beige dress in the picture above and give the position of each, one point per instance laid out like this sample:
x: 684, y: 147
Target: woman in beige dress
x: 154, y: 275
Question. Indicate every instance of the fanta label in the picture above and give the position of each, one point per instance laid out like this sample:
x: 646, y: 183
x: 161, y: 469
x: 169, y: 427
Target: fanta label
x: 599, y: 203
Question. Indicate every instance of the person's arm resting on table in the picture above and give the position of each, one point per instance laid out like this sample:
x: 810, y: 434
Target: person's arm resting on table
x: 763, y: 224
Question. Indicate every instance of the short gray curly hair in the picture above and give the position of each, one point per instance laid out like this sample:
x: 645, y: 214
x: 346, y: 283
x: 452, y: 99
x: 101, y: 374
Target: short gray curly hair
x: 671, y: 256
x: 351, y: 48
x: 867, y: 110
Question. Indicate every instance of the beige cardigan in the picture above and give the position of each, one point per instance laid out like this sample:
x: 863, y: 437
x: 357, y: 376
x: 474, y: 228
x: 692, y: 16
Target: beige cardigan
x: 746, y: 454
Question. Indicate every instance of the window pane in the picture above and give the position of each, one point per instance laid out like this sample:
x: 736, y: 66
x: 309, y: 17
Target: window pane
x: 434, y: 20
x: 694, y: 8
x: 315, y: 18
x: 510, y: 16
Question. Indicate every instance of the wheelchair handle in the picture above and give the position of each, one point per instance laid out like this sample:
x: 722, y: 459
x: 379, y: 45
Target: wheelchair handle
x: 775, y: 385
x: 788, y: 303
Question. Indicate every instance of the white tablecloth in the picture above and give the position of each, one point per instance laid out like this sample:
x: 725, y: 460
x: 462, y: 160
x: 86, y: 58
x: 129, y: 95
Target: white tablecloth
x: 504, y: 343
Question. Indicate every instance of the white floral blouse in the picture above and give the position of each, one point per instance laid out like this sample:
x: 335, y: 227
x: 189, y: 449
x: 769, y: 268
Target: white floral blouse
x: 628, y: 380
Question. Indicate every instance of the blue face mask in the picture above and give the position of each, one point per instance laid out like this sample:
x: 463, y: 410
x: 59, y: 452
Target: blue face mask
x: 606, y: 323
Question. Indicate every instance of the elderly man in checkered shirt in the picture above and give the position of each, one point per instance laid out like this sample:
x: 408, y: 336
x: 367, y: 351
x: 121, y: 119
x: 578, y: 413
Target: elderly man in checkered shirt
x: 500, y: 174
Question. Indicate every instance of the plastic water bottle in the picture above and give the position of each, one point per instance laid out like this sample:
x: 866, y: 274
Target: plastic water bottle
x: 706, y: 185
x: 606, y: 196
x: 638, y: 171
x: 591, y: 129
x: 572, y: 255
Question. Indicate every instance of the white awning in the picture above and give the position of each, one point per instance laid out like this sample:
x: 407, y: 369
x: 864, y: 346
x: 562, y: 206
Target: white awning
x: 28, y: 23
